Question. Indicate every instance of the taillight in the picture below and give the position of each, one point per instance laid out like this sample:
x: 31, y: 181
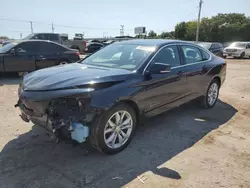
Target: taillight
x: 77, y: 53
x: 84, y: 43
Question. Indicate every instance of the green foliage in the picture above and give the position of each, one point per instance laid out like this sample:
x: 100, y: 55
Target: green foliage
x: 4, y: 37
x: 152, y: 34
x: 221, y: 28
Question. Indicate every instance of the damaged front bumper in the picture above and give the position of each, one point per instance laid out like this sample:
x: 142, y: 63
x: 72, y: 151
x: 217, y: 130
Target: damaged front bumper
x: 68, y: 118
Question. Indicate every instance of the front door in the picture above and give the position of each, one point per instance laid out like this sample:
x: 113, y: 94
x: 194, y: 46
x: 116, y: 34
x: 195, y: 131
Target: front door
x: 163, y: 91
x: 23, y: 59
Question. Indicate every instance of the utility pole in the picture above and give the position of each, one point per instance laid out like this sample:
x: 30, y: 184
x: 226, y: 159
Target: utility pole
x: 31, y: 27
x: 198, y: 22
x: 53, y: 29
x: 122, y: 30
x: 21, y: 35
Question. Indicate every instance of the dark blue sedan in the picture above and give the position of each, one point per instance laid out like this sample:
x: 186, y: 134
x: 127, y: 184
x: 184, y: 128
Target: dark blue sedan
x: 103, y: 97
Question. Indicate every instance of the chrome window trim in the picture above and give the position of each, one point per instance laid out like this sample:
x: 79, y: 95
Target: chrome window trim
x: 184, y: 44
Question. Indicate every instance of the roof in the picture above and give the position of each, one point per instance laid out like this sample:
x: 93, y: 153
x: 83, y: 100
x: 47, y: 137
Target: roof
x: 150, y: 42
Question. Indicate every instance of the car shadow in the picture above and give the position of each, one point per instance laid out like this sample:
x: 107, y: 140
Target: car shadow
x: 9, y: 79
x: 35, y: 160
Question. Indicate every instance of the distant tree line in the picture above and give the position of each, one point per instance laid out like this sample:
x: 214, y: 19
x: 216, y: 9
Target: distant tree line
x: 4, y: 37
x: 220, y: 28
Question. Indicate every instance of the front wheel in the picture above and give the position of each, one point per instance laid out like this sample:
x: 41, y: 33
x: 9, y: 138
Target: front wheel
x: 113, y: 132
x: 212, y: 94
x: 242, y: 55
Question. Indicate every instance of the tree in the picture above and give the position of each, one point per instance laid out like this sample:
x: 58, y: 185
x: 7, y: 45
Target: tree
x: 152, y: 34
x: 4, y: 37
x: 219, y: 28
x: 181, y: 30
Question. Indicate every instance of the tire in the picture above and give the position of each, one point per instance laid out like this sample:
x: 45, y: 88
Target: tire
x: 207, y: 103
x: 63, y: 63
x: 100, y: 140
x: 242, y: 55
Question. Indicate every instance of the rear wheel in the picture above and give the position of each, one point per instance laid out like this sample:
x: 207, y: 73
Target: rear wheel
x: 63, y: 63
x: 211, y: 97
x: 113, y: 132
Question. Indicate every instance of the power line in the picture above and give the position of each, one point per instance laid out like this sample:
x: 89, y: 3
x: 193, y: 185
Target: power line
x: 59, y: 25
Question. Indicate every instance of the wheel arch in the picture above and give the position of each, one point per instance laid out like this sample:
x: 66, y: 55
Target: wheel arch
x: 132, y: 104
x: 218, y: 79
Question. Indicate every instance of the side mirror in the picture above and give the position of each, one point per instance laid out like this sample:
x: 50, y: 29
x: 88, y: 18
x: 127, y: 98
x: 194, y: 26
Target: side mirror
x: 160, y: 68
x: 13, y: 51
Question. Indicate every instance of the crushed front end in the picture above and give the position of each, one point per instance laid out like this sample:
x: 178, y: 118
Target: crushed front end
x: 68, y: 117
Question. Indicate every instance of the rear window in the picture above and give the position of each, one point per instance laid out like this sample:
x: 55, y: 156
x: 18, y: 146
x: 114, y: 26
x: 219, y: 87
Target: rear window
x: 205, y: 55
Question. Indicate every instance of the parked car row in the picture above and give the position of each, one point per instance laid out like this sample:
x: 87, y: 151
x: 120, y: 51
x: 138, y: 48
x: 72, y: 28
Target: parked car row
x: 235, y: 49
x: 238, y: 50
x: 30, y: 55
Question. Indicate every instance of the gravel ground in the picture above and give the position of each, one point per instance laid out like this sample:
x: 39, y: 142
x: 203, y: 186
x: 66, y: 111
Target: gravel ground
x: 186, y: 147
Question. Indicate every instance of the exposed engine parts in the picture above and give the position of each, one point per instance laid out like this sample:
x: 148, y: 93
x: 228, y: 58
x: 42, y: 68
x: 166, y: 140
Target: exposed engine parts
x: 68, y: 118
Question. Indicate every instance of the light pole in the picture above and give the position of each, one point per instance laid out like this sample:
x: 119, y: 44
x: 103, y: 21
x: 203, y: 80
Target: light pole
x: 31, y: 27
x: 198, y: 22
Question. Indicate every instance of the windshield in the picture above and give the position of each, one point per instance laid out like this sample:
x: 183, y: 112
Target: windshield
x: 7, y: 47
x: 205, y: 45
x: 238, y: 44
x: 124, y: 56
x: 28, y: 37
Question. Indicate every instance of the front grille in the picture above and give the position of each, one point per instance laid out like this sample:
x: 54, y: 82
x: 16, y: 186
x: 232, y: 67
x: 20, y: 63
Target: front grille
x: 231, y: 50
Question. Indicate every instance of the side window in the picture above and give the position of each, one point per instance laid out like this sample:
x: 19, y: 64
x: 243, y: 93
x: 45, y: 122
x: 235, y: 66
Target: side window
x: 213, y: 46
x: 220, y: 45
x: 217, y: 46
x: 40, y: 37
x: 51, y: 47
x: 168, y: 55
x: 205, y: 55
x: 54, y: 37
x: 29, y: 47
x: 191, y: 54
x: 46, y: 36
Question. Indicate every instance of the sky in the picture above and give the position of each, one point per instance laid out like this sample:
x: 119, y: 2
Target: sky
x: 98, y: 18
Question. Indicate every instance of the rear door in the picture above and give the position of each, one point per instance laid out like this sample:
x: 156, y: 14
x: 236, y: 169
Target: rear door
x: 24, y: 57
x: 195, y: 68
x: 50, y: 55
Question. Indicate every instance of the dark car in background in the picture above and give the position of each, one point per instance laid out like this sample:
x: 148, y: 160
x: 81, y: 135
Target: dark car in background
x: 214, y: 47
x: 103, y: 97
x: 30, y: 55
x: 55, y: 37
x: 92, y: 47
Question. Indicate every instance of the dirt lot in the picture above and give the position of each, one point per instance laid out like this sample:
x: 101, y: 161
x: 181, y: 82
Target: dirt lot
x: 186, y: 147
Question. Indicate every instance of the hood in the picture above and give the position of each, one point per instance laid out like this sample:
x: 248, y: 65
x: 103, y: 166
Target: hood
x: 71, y: 75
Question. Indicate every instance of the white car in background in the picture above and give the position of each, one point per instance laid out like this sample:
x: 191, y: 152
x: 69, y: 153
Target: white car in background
x: 237, y: 49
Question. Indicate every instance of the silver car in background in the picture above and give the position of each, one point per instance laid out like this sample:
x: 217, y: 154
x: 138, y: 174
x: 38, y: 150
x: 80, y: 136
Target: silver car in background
x: 237, y: 49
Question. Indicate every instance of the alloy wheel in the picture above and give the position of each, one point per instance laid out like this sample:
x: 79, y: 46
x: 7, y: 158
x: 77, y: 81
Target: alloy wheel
x: 213, y: 94
x: 118, y: 129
